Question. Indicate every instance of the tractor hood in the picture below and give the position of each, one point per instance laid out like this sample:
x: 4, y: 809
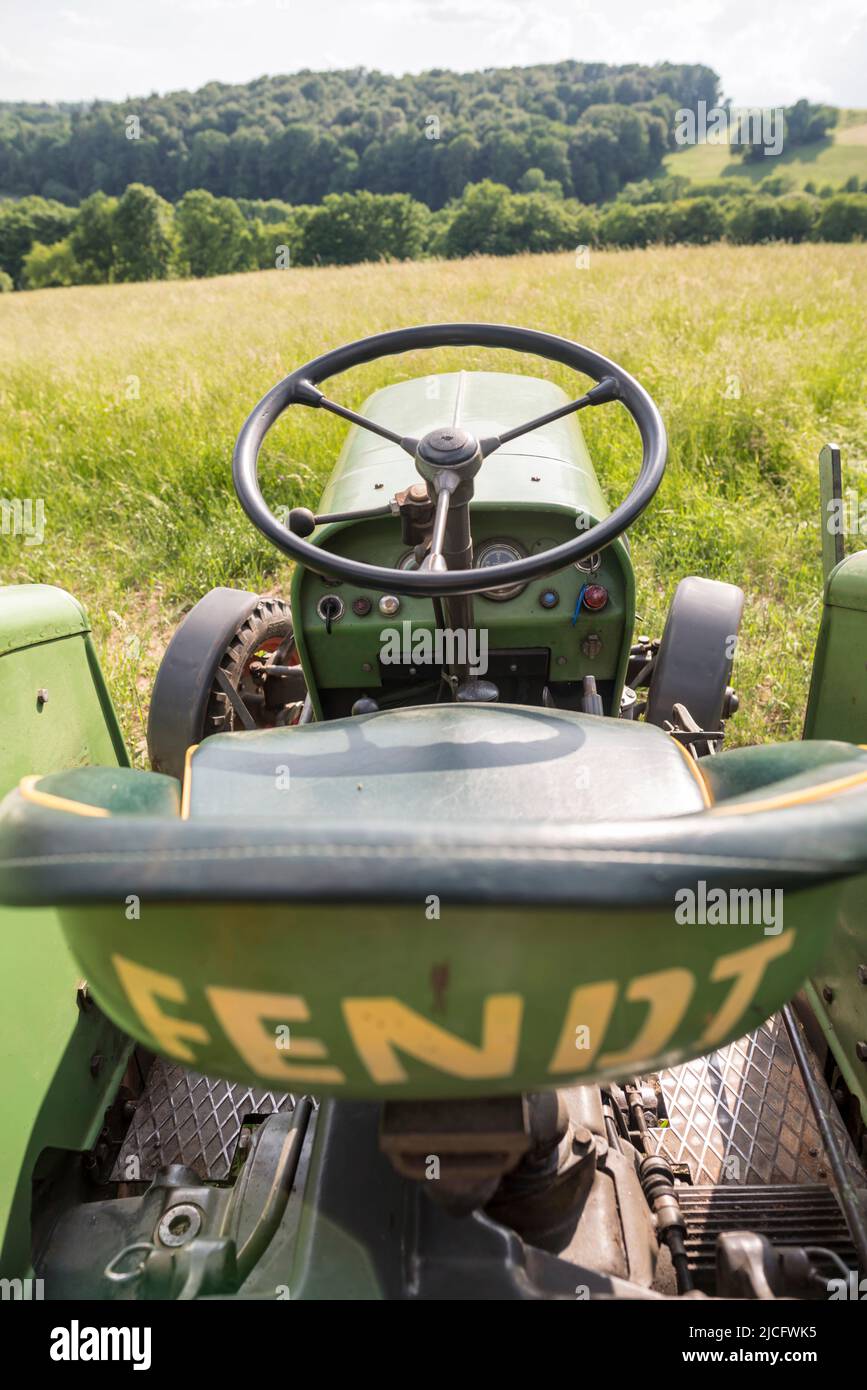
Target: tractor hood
x: 551, y: 465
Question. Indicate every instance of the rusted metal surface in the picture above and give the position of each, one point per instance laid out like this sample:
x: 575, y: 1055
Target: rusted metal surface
x: 742, y: 1115
x: 184, y: 1117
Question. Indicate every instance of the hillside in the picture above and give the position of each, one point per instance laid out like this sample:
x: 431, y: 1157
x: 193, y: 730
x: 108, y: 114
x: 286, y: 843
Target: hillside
x: 842, y: 156
x: 121, y: 404
x: 588, y: 126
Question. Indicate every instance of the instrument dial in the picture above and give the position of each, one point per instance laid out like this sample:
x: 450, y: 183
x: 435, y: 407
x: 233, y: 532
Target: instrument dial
x: 500, y: 552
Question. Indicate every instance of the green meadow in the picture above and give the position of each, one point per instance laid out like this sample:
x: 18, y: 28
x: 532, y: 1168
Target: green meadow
x: 120, y: 406
x: 834, y: 160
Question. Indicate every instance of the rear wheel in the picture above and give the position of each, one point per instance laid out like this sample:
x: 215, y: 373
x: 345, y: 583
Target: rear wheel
x: 263, y: 641
x: 231, y: 665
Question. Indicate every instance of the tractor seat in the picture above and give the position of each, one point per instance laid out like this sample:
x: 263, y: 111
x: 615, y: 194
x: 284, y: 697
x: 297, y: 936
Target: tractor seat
x: 445, y: 901
x: 497, y: 802
x: 438, y: 764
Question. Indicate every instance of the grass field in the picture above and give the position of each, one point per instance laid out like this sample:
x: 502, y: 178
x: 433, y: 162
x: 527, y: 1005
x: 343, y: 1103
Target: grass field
x: 830, y: 161
x: 120, y: 406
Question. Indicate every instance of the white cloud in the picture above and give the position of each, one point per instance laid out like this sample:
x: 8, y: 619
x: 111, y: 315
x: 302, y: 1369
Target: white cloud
x: 78, y: 20
x: 13, y: 62
x: 473, y: 13
x: 214, y: 6
x: 765, y: 54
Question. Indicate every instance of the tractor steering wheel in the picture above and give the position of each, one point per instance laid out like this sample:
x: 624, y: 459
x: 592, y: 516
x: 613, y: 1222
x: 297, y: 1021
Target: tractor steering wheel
x: 447, y: 458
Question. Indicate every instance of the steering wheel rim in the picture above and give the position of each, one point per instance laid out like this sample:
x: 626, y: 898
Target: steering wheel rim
x: 296, y: 389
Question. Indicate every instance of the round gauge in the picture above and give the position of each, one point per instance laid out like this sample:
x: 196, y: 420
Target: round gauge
x: 591, y: 564
x: 500, y: 553
x: 408, y: 561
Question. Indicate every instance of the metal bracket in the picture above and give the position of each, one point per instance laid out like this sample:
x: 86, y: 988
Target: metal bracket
x: 235, y: 700
x: 831, y: 496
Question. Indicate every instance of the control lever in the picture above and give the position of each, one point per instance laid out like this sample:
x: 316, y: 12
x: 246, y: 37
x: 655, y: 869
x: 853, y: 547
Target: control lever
x: 330, y: 609
x: 683, y: 727
x: 591, y: 700
x: 302, y: 522
x: 445, y: 486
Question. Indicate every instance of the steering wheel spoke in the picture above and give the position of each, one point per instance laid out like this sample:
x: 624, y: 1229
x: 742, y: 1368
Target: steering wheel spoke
x: 604, y: 391
x: 308, y: 394
x: 302, y: 388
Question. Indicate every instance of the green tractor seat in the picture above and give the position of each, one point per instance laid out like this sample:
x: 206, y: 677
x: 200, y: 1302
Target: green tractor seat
x: 445, y: 900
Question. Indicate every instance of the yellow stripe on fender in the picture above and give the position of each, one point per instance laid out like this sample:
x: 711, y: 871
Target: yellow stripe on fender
x: 30, y: 792
x: 802, y: 797
x: 188, y: 782
x: 696, y: 772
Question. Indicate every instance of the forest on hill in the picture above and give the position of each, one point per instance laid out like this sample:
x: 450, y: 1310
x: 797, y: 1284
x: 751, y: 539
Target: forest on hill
x: 588, y: 127
x: 345, y: 167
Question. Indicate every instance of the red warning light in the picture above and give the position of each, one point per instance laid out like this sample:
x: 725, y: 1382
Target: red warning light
x: 595, y: 596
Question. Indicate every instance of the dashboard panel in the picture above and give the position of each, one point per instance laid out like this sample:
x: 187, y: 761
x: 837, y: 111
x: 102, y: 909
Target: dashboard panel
x: 533, y: 635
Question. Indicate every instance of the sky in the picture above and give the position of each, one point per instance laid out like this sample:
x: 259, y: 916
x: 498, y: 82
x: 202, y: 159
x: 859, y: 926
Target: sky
x: 767, y: 52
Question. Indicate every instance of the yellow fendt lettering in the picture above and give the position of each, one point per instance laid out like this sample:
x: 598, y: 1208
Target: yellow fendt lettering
x: 667, y: 994
x: 382, y: 1027
x: 243, y: 1014
x: 256, y: 1024
x: 143, y: 988
x: 589, y: 1010
x: 746, y: 967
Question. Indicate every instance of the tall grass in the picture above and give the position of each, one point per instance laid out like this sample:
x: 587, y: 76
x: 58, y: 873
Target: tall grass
x: 120, y: 406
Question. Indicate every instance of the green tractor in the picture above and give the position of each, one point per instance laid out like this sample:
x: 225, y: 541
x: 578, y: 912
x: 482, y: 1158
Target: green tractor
x: 442, y: 953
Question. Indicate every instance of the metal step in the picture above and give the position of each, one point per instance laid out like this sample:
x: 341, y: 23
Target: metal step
x: 742, y: 1115
x: 184, y: 1117
x: 788, y: 1214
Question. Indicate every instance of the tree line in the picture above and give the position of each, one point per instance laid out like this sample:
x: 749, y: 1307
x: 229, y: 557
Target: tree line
x: 590, y: 127
x: 803, y: 124
x: 141, y: 236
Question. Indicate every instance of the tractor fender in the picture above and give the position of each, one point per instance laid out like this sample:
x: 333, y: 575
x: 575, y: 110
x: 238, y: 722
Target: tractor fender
x: 694, y: 663
x: 186, y: 675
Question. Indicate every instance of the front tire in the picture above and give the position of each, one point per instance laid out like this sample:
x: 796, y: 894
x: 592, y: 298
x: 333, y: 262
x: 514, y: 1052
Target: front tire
x: 694, y: 663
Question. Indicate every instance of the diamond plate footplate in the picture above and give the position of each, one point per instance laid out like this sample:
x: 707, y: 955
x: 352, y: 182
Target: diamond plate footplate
x: 742, y: 1115
x: 739, y: 1114
x: 184, y: 1117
